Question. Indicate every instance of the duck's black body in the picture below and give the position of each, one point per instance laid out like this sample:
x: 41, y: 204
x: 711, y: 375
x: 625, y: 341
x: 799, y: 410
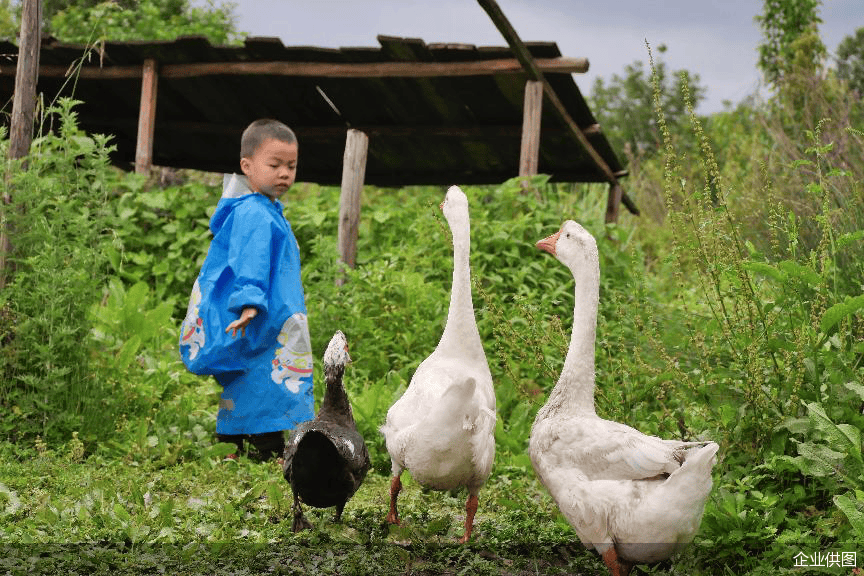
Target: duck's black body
x: 326, y: 459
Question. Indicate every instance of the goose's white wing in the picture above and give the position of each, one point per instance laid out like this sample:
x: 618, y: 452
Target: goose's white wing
x: 606, y: 450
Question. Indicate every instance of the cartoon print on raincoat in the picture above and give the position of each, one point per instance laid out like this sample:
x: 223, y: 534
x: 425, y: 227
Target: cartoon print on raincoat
x: 192, y: 329
x: 293, y: 360
x: 253, y: 261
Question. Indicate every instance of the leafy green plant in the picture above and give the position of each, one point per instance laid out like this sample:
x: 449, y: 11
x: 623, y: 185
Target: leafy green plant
x: 144, y: 20
x: 60, y: 239
x: 831, y: 452
x: 734, y: 312
x: 766, y: 329
x: 784, y: 24
x: 126, y: 324
x: 850, y: 60
x: 161, y: 237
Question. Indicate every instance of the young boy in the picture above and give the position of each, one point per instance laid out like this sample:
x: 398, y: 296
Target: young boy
x: 246, y: 321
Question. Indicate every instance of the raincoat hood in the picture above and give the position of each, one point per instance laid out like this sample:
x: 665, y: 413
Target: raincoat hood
x: 235, y: 190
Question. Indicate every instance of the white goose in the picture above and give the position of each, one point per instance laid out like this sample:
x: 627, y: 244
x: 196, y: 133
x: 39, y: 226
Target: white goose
x: 442, y: 429
x: 636, y: 499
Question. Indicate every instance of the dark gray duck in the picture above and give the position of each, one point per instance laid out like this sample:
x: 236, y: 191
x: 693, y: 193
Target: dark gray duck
x: 326, y: 459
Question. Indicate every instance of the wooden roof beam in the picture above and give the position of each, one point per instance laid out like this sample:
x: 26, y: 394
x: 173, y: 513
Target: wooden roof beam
x: 520, y: 50
x: 487, y: 131
x: 559, y: 65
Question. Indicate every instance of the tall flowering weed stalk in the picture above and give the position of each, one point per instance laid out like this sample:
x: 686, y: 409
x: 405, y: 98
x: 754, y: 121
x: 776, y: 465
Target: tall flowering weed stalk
x: 773, y: 342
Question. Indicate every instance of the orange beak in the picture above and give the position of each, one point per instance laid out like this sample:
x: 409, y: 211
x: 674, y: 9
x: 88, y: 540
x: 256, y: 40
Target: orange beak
x: 548, y: 244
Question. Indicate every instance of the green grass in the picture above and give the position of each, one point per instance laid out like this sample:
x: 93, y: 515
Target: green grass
x: 192, y: 515
x: 745, y: 328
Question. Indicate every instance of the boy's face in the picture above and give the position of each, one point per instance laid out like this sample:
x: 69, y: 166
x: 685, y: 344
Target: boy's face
x: 272, y: 168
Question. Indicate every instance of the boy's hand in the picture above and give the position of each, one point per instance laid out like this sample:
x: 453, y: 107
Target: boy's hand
x: 240, y: 324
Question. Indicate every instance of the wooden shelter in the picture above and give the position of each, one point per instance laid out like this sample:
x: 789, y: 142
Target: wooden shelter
x: 434, y: 113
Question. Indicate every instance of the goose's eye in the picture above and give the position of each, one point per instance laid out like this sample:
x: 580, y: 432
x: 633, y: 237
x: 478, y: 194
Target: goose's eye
x: 567, y: 235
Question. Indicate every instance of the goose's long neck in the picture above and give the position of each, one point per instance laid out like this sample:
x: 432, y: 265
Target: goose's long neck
x: 335, y: 404
x: 461, y: 332
x: 574, y: 391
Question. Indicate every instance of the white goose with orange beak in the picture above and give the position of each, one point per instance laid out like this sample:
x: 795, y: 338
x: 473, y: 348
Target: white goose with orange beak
x: 634, y: 498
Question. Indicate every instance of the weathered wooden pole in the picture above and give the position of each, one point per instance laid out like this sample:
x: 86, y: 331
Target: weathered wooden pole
x: 532, y: 109
x: 520, y: 50
x: 26, y: 76
x: 146, y: 117
x: 353, y: 173
x: 23, y: 108
x: 613, y: 201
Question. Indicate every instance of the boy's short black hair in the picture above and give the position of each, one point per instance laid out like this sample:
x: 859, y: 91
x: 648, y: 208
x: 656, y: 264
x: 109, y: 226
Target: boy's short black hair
x: 259, y: 131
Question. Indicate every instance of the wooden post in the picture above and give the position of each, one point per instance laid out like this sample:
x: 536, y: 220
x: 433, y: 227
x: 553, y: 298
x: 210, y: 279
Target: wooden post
x: 26, y: 76
x: 23, y: 108
x: 613, y: 202
x: 529, y: 157
x: 529, y: 64
x: 146, y: 117
x: 353, y: 173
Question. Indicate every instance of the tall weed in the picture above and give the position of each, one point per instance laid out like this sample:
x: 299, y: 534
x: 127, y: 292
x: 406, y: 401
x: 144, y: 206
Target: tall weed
x: 58, y: 263
x: 775, y: 329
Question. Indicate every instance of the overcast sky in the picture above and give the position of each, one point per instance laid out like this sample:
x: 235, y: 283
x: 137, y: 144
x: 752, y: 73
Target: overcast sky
x: 715, y: 39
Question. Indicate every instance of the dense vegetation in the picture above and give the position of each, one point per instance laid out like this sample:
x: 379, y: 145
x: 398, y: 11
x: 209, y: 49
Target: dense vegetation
x: 96, y: 21
x: 732, y: 309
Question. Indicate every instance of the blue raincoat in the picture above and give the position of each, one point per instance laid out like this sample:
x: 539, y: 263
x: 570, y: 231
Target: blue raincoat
x: 253, y: 261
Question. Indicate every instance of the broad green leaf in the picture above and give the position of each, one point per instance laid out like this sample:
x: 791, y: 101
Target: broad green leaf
x: 765, y: 269
x: 837, y: 312
x: 12, y: 502
x: 728, y: 414
x: 854, y: 436
x: 852, y: 510
x: 795, y: 425
x: 439, y: 525
x: 221, y: 449
x: 120, y: 513
x: 849, y: 238
x: 794, y: 270
x: 253, y: 493
x: 380, y: 216
x: 855, y: 387
x: 812, y: 461
x: 136, y: 297
x: 82, y: 144
x: 843, y: 437
x: 274, y: 492
x: 113, y: 257
x: 127, y: 353
x: 161, y: 267
x: 154, y: 199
